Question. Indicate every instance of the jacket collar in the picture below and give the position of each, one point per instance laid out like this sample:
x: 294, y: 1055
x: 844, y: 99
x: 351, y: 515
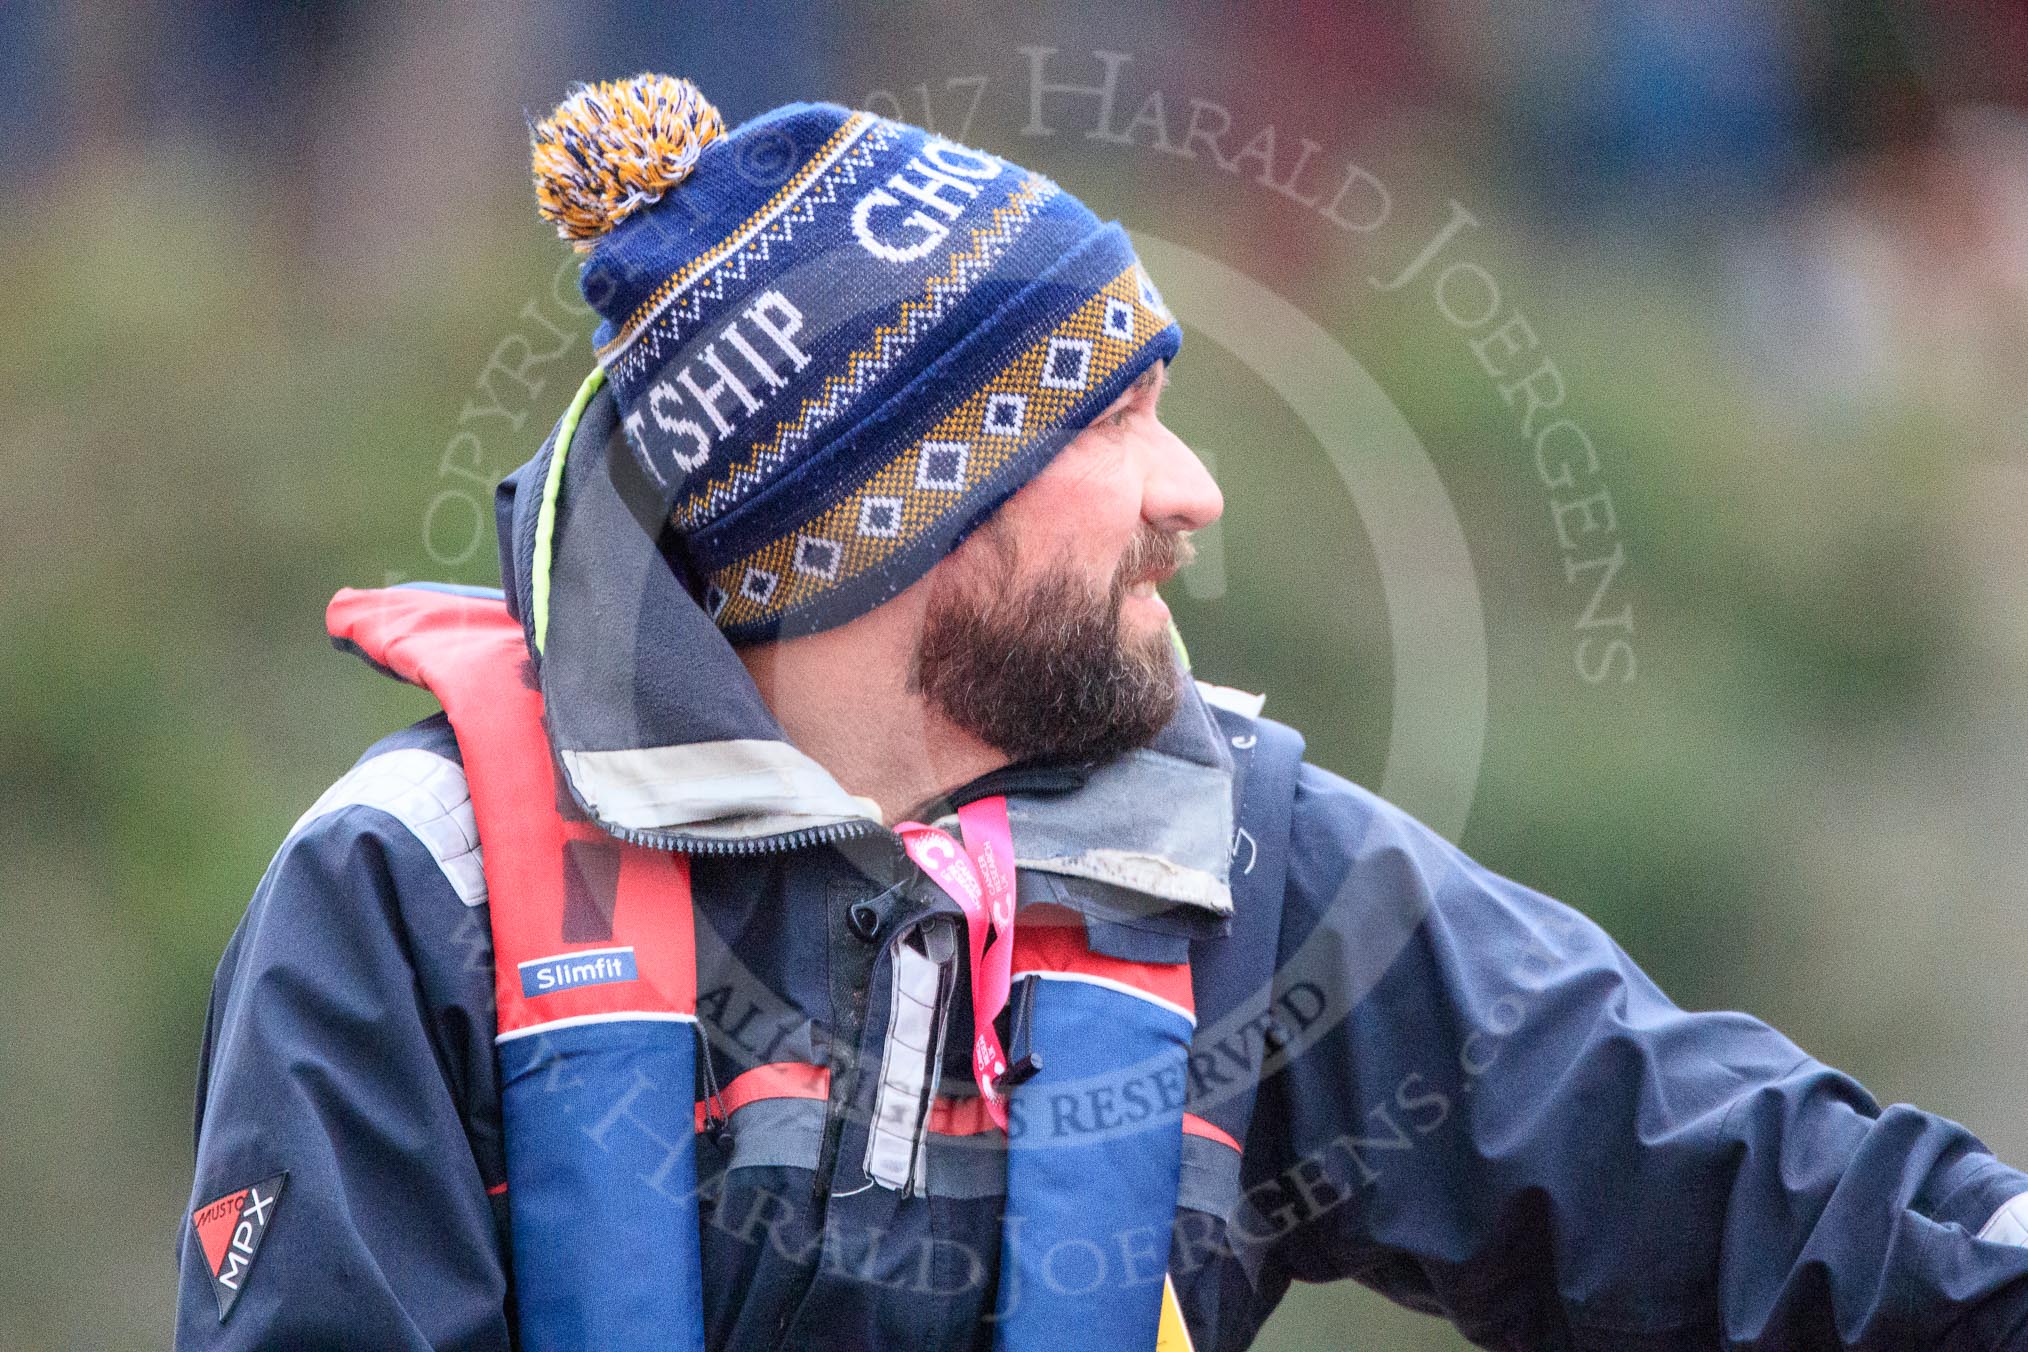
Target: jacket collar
x: 663, y: 738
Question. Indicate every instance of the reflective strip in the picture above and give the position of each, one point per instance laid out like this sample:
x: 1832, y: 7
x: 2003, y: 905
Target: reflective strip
x: 426, y: 793
x: 763, y: 786
x: 894, y: 1139
x: 2009, y: 1224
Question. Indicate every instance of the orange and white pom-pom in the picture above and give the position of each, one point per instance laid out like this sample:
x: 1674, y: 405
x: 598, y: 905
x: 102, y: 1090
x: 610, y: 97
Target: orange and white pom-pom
x: 612, y: 148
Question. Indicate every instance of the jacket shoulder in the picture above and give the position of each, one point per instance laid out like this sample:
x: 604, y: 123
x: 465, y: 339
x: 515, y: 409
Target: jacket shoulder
x: 348, y: 1046
x: 409, y: 788
x: 382, y: 877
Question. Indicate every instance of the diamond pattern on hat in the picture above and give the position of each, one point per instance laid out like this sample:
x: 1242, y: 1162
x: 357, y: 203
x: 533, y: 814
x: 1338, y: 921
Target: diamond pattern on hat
x: 942, y: 466
x: 715, y: 598
x: 818, y: 557
x: 1150, y: 297
x: 1006, y: 415
x: 759, y: 585
x: 924, y: 483
x: 1118, y: 321
x: 880, y: 517
x: 1067, y: 364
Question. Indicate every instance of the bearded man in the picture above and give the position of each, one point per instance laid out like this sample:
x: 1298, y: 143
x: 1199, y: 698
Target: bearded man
x: 827, y: 914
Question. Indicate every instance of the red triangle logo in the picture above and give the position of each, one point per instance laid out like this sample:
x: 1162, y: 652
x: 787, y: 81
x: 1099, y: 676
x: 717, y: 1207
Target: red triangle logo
x: 214, y: 1222
x: 230, y: 1231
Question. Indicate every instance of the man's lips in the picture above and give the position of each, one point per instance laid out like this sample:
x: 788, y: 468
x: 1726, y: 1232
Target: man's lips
x: 1160, y: 563
x: 1148, y: 582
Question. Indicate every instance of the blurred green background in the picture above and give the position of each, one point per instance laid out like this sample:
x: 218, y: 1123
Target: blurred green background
x: 267, y: 266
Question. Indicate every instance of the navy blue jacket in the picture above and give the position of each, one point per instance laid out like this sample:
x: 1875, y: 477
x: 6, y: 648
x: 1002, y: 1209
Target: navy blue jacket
x: 1438, y: 1082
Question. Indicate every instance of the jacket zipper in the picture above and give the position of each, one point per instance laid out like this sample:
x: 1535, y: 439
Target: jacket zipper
x: 678, y: 843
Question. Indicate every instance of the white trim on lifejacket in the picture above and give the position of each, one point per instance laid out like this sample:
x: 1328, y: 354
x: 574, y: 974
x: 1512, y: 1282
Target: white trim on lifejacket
x: 579, y: 1020
x: 1092, y: 979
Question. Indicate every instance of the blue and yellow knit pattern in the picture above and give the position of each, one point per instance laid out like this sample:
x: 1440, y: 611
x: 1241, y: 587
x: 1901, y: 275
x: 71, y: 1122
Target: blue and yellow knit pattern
x: 837, y: 342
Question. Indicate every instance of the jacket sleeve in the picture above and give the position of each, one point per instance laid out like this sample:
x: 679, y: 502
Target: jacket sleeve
x: 348, y: 1049
x: 1489, y: 1113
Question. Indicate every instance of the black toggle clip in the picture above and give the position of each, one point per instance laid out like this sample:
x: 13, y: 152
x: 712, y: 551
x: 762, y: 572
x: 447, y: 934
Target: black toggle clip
x: 1023, y: 1070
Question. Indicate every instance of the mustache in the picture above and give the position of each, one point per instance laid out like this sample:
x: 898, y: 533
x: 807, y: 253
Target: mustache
x: 1154, y: 555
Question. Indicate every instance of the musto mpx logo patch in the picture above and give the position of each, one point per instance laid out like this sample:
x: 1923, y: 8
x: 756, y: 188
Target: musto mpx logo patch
x: 230, y: 1231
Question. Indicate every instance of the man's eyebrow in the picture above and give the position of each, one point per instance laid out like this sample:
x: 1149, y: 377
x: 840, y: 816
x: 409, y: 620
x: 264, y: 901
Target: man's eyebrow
x: 1141, y: 385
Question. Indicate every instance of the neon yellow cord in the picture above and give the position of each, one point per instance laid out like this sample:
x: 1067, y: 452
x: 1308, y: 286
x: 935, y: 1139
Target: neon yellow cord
x: 545, y: 515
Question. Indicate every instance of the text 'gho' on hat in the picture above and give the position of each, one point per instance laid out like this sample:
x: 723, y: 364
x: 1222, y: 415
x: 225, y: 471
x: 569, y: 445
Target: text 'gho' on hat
x: 837, y: 343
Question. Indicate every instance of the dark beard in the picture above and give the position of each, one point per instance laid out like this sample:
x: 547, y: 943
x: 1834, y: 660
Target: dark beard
x: 1042, y: 675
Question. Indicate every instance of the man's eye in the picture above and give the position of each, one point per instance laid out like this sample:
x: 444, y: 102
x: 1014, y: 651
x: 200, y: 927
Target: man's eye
x: 1118, y: 417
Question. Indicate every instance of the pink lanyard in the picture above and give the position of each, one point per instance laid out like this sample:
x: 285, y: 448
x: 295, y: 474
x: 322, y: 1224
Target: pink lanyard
x: 979, y: 876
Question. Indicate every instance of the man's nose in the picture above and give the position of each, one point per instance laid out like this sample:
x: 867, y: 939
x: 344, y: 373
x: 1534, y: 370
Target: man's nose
x: 1180, y: 494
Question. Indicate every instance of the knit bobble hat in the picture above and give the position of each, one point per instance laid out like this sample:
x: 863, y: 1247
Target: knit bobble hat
x: 836, y: 342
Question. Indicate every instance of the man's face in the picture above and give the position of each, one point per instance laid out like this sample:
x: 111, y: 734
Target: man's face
x: 1044, y: 635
